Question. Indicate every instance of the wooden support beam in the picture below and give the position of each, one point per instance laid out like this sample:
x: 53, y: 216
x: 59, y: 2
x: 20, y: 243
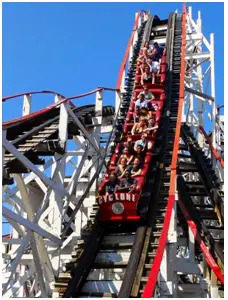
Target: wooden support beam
x: 32, y: 167
x: 30, y: 225
x: 42, y: 258
x: 197, y: 93
x: 130, y: 273
x: 82, y: 128
x: 85, y: 263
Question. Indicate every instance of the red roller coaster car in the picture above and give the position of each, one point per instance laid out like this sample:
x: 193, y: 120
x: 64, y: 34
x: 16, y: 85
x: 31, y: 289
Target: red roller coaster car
x: 122, y: 207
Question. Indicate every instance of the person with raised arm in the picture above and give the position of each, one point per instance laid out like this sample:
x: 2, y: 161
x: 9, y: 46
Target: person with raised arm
x: 111, y: 186
x: 126, y: 154
x: 121, y: 168
x: 146, y: 145
x: 136, y: 168
x: 127, y: 184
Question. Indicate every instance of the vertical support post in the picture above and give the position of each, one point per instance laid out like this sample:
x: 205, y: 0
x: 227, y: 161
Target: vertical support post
x: 122, y: 86
x: 21, y: 289
x: 26, y: 109
x: 63, y: 126
x: 37, y: 243
x: 3, y: 149
x: 213, y: 113
x: 214, y: 286
x: 191, y: 245
x: 190, y: 119
x: 190, y: 12
x: 97, y: 121
x: 63, y: 122
x: 199, y: 74
x: 167, y: 274
x: 117, y: 101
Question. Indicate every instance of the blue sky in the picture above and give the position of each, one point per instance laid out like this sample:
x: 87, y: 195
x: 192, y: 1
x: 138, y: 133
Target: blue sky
x: 72, y: 48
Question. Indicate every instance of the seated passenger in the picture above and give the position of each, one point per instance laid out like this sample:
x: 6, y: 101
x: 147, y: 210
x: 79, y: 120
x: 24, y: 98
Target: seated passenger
x: 126, y: 154
x: 139, y: 152
x: 143, y: 67
x: 141, y: 58
x: 149, y: 63
x: 146, y: 49
x: 128, y: 184
x: 152, y: 108
x: 154, y: 68
x: 129, y: 144
x: 112, y: 184
x: 121, y: 168
x: 146, y: 145
x: 148, y: 95
x: 151, y: 125
x: 141, y: 107
x: 141, y: 101
x: 139, y: 127
x: 147, y: 76
x: 136, y: 168
x: 156, y: 53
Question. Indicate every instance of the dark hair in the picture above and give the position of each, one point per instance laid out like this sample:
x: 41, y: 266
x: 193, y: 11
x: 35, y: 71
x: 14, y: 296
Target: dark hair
x: 139, y: 145
x: 113, y: 173
x: 156, y: 44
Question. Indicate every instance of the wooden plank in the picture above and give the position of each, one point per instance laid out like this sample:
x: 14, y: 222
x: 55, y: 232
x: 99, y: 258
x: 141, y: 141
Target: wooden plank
x: 97, y: 295
x: 85, y: 262
x: 106, y: 274
x: 136, y: 284
x: 114, y: 239
x: 102, y: 286
x: 112, y: 257
x: 130, y: 272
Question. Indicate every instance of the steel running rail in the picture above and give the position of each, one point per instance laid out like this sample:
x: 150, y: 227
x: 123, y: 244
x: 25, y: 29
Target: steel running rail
x: 6, y: 124
x: 150, y: 286
x: 213, y: 150
x: 126, y: 54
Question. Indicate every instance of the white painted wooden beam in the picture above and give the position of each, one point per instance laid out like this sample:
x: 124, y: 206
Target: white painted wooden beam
x: 197, y: 55
x: 32, y: 167
x: 30, y: 225
x: 26, y: 110
x: 82, y: 128
x: 63, y: 125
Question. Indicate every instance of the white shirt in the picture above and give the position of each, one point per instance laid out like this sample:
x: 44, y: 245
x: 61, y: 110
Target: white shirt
x: 142, y: 104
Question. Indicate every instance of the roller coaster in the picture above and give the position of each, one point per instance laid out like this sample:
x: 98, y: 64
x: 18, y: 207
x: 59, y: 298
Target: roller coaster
x: 68, y: 237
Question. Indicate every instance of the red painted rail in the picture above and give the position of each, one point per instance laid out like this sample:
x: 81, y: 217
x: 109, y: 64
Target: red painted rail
x: 5, y: 125
x: 126, y: 54
x: 209, y: 258
x: 150, y: 286
x: 213, y: 150
x: 31, y: 93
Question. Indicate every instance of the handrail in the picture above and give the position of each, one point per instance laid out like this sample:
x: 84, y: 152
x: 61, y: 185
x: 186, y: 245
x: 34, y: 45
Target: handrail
x: 31, y: 93
x: 209, y: 258
x: 213, y: 150
x: 6, y: 124
x: 126, y: 54
x: 150, y: 286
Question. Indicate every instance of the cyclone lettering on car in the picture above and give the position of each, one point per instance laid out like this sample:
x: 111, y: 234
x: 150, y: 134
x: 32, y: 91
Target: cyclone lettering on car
x: 117, y: 197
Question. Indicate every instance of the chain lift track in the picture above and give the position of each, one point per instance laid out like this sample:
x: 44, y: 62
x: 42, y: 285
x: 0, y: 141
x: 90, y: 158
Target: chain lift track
x: 55, y: 159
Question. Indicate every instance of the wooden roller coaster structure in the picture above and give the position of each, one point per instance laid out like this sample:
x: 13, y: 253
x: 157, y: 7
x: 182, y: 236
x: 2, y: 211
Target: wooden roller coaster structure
x: 54, y: 160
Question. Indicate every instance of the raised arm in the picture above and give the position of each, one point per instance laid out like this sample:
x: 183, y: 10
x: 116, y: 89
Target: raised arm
x: 138, y: 173
x: 133, y: 129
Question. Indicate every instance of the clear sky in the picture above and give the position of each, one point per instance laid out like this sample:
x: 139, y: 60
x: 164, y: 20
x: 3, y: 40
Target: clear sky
x: 74, y: 47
